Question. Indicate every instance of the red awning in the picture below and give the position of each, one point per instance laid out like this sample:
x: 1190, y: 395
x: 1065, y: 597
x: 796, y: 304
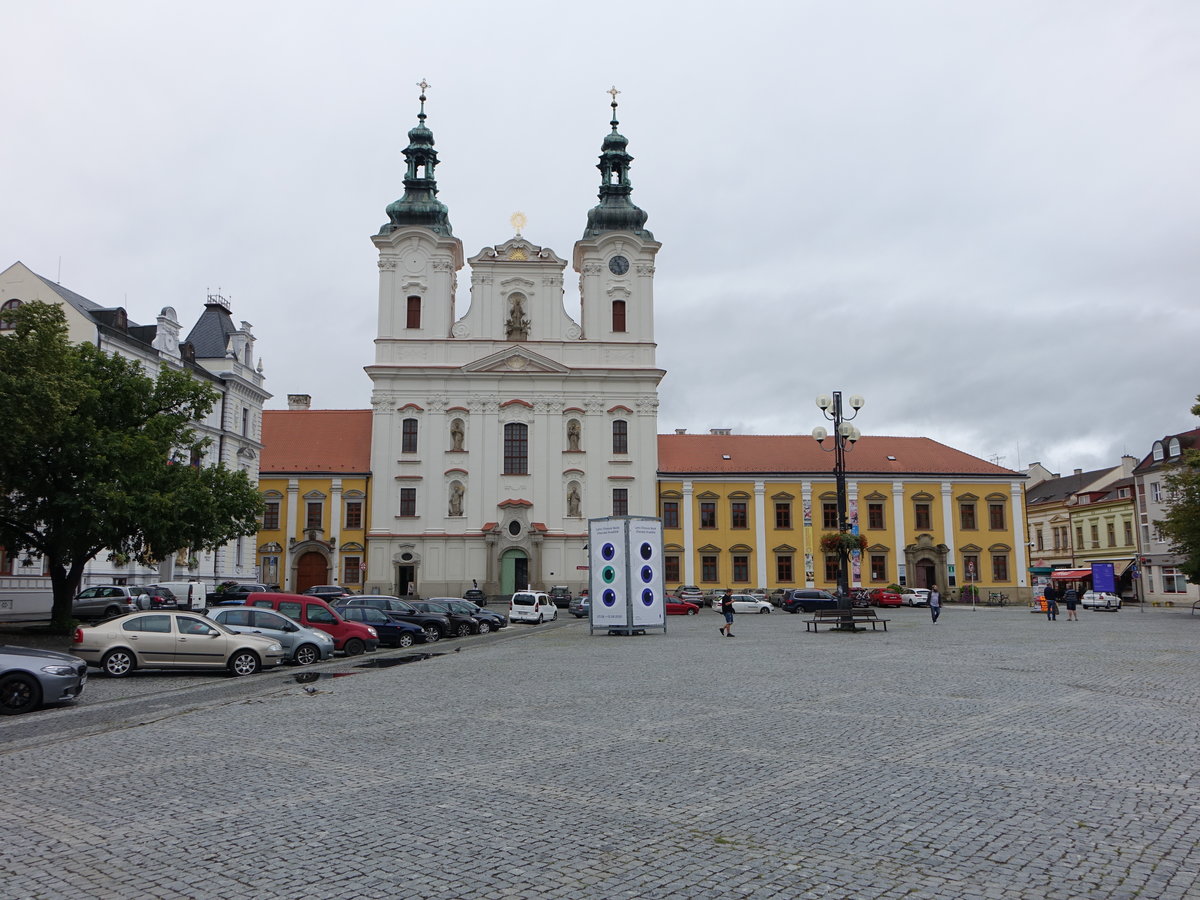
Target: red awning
x: 1070, y: 574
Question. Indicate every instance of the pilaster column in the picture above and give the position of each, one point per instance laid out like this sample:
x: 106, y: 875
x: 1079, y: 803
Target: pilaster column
x: 293, y: 517
x: 806, y: 530
x: 898, y: 530
x: 1017, y: 511
x: 335, y: 527
x: 951, y: 535
x: 689, y: 537
x: 760, y: 533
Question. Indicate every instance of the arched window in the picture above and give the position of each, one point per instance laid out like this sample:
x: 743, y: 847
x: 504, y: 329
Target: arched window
x: 414, y: 313
x: 620, y: 430
x: 408, y: 436
x: 1173, y: 447
x: 618, y: 315
x: 516, y: 449
x: 1157, y: 451
x: 5, y: 321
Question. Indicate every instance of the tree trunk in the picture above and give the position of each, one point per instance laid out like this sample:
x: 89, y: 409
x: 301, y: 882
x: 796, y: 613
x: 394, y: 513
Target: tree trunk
x: 64, y: 583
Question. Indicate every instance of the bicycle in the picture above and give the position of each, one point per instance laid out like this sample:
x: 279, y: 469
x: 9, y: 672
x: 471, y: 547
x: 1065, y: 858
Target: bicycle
x: 995, y: 598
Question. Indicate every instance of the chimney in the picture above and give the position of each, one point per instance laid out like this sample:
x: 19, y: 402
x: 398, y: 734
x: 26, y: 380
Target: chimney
x: 681, y: 431
x: 299, y: 401
x: 1077, y: 471
x: 720, y: 431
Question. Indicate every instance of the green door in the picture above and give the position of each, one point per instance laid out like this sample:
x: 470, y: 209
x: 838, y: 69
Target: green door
x: 514, y: 571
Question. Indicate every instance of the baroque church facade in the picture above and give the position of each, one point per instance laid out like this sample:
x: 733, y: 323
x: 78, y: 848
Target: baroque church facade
x: 497, y: 433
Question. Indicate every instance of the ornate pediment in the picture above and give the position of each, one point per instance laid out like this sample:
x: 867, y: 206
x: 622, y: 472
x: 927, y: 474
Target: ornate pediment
x: 517, y: 359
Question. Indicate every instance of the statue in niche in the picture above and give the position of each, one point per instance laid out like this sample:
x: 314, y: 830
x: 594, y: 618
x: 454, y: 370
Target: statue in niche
x: 516, y: 328
x: 456, y: 498
x: 573, y: 432
x: 457, y: 433
x: 573, y: 501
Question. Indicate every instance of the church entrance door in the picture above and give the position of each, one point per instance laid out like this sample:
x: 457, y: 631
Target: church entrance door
x: 925, y: 574
x: 514, y: 571
x: 311, y: 569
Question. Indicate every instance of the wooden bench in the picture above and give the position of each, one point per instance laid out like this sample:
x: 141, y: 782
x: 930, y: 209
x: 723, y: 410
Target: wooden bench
x: 835, y: 617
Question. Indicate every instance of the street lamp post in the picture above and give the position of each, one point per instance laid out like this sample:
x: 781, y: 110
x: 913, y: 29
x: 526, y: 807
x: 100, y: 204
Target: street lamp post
x: 844, y: 437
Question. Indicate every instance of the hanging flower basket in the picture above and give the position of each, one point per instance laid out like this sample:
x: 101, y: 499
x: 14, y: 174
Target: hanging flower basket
x: 835, y: 541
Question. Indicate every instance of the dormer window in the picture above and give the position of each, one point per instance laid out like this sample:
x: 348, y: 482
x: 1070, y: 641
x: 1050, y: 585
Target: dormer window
x: 1157, y: 451
x: 1173, y: 447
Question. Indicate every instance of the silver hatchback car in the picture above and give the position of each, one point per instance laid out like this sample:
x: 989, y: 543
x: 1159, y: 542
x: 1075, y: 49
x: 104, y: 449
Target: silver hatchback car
x: 301, y: 645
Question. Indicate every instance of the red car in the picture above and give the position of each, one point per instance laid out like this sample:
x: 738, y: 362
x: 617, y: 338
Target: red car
x: 886, y: 597
x: 681, y: 607
x: 352, y: 638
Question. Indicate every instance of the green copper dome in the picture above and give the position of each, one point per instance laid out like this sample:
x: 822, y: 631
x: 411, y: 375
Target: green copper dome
x: 419, y: 205
x: 616, y: 211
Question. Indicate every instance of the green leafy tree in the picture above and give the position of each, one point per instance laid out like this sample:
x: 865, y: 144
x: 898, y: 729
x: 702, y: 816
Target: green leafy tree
x: 96, y: 456
x: 1182, y: 522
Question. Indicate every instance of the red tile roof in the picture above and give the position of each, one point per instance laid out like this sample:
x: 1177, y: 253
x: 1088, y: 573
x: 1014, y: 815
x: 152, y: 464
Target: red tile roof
x: 316, y: 441
x: 703, y: 454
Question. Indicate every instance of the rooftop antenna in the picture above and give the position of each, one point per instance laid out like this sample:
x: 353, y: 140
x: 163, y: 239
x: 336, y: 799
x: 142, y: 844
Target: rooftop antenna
x: 995, y: 459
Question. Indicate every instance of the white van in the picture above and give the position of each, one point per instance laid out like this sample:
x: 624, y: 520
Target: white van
x: 531, y: 606
x: 185, y: 594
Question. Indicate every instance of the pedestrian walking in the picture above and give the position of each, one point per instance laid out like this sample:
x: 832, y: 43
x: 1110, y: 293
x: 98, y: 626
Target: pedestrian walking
x: 727, y: 612
x: 1071, y: 598
x: 935, y: 604
x: 1051, y: 596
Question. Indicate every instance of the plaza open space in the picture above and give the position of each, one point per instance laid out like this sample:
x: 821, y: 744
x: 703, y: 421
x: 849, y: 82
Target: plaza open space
x: 993, y: 755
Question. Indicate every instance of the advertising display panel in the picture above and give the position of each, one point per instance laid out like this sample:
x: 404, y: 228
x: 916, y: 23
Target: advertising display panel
x: 609, y: 576
x: 1104, y: 577
x: 626, y: 574
x: 647, y: 594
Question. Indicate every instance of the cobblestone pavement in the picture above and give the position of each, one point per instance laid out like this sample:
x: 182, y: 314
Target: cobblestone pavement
x: 994, y: 755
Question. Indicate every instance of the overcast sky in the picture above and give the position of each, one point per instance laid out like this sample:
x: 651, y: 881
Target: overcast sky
x: 982, y: 216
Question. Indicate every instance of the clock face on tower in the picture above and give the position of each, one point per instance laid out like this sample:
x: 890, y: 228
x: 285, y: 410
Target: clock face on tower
x: 618, y: 265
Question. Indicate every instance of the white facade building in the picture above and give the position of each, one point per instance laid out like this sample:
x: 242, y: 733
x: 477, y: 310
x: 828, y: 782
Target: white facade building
x: 498, y: 433
x: 216, y: 351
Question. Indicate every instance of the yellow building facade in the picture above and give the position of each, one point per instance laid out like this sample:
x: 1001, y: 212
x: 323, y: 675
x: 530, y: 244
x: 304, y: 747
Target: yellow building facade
x: 315, y: 483
x: 735, y: 516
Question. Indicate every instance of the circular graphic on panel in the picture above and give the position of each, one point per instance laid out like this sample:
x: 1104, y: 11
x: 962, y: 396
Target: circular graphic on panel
x: 648, y: 597
x: 647, y: 574
x: 647, y: 550
x: 608, y: 551
x: 609, y: 597
x: 609, y: 574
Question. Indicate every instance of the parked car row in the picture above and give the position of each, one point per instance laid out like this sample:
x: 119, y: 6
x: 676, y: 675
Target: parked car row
x: 271, y: 628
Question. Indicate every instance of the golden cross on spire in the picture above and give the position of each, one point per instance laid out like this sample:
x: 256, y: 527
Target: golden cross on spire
x: 518, y: 221
x: 424, y: 85
x: 613, y: 90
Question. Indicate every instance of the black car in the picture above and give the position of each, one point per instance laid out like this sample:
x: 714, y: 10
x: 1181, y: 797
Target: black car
x: 808, y: 600
x: 461, y: 624
x: 330, y: 593
x: 231, y: 593
x: 475, y: 595
x: 488, y: 620
x: 435, y: 625
x: 560, y: 596
x: 392, y: 632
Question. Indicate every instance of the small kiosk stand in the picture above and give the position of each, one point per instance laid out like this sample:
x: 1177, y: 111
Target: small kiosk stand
x: 626, y: 575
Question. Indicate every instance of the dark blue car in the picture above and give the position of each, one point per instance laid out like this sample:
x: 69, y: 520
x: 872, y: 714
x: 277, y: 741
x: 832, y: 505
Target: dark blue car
x: 392, y: 632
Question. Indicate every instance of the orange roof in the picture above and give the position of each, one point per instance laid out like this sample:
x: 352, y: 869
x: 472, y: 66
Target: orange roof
x: 704, y: 454
x: 316, y: 440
